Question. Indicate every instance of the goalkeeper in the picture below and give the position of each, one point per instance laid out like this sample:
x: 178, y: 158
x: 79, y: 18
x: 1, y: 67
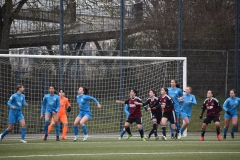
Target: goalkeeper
x: 62, y: 116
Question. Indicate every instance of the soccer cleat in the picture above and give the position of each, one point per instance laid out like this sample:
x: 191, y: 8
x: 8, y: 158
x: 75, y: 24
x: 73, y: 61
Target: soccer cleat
x: 45, y: 137
x: 232, y: 135
x: 201, y: 139
x: 85, y: 137
x: 0, y: 137
x: 179, y: 136
x: 224, y: 136
x: 156, y: 138
x: 128, y: 136
x: 119, y: 138
x: 23, y: 141
x: 164, y: 138
x: 143, y: 139
x: 172, y: 136
x: 57, y: 138
x: 64, y: 138
x: 219, y: 137
x: 75, y: 138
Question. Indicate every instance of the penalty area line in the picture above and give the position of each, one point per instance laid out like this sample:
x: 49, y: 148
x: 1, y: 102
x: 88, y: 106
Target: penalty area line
x: 109, y: 154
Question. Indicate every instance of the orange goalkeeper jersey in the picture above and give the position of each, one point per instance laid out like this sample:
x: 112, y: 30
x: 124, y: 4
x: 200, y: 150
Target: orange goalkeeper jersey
x: 63, y: 104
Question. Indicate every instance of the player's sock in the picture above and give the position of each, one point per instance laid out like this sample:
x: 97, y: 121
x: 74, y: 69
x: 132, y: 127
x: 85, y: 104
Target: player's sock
x: 225, y: 131
x: 164, y: 130
x: 182, y: 130
x: 64, y: 131
x: 50, y: 128
x: 75, y: 130
x: 218, y: 130
x: 155, y: 129
x: 233, y: 129
x: 46, y: 128
x: 23, y: 132
x: 177, y: 125
x: 57, y: 129
x: 202, y: 132
x: 4, y: 133
x: 84, y: 128
x: 122, y: 133
x: 143, y: 129
x: 150, y: 133
x: 171, y: 130
x: 127, y: 129
x: 141, y: 133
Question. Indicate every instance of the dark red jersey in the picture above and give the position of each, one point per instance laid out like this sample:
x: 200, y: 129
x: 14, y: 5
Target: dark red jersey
x: 151, y: 102
x: 213, y: 107
x: 168, y: 102
x: 135, y: 110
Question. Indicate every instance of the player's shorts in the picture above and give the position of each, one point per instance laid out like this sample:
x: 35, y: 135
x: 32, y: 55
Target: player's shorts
x: 230, y: 116
x: 171, y: 116
x: 82, y: 114
x: 157, y: 115
x: 184, y: 115
x: 137, y: 120
x: 208, y: 119
x: 48, y: 111
x: 15, y: 115
x: 62, y: 118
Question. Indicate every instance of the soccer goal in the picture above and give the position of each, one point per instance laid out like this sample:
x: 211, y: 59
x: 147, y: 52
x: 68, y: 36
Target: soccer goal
x: 108, y: 79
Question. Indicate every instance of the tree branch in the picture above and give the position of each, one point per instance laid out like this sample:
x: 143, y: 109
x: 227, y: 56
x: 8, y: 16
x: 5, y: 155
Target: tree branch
x: 19, y: 7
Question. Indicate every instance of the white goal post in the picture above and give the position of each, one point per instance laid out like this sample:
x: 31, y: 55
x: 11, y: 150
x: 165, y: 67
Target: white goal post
x: 108, y: 79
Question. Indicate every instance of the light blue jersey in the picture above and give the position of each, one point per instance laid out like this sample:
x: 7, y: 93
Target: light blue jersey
x: 187, y: 102
x: 50, y: 103
x: 83, y: 104
x: 127, y: 110
x: 231, y: 105
x: 175, y: 93
x: 17, y: 100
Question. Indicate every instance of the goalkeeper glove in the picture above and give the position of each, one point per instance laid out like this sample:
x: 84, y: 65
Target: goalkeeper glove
x: 200, y: 117
x: 68, y: 109
x: 145, y: 108
x: 228, y: 112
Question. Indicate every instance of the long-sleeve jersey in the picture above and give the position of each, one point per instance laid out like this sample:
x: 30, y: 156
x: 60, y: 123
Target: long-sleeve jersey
x: 63, y: 104
x: 135, y: 110
x: 167, y: 101
x: 213, y: 107
x: 187, y: 102
x: 175, y: 93
x: 83, y: 102
x: 50, y: 103
x: 127, y: 110
x: 151, y: 102
x: 17, y: 100
x: 231, y: 105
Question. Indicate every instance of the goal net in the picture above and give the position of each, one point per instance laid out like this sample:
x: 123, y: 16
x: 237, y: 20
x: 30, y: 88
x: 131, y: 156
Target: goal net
x: 107, y: 78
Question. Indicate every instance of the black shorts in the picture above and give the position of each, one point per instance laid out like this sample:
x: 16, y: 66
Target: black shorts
x: 137, y: 120
x: 208, y: 119
x: 171, y: 116
x: 156, y: 115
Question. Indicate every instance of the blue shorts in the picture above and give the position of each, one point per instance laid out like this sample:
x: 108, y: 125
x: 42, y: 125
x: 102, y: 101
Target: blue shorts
x: 184, y: 115
x: 177, y: 114
x: 15, y: 115
x: 230, y: 116
x: 48, y: 111
x: 82, y: 114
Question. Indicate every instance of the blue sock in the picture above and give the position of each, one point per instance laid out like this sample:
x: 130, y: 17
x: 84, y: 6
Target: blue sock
x: 171, y: 130
x: 177, y: 125
x: 4, y: 133
x: 122, y: 133
x: 57, y: 129
x: 75, y: 130
x: 84, y: 128
x: 233, y: 129
x: 46, y: 128
x: 23, y: 131
x: 182, y: 130
x: 225, y: 131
